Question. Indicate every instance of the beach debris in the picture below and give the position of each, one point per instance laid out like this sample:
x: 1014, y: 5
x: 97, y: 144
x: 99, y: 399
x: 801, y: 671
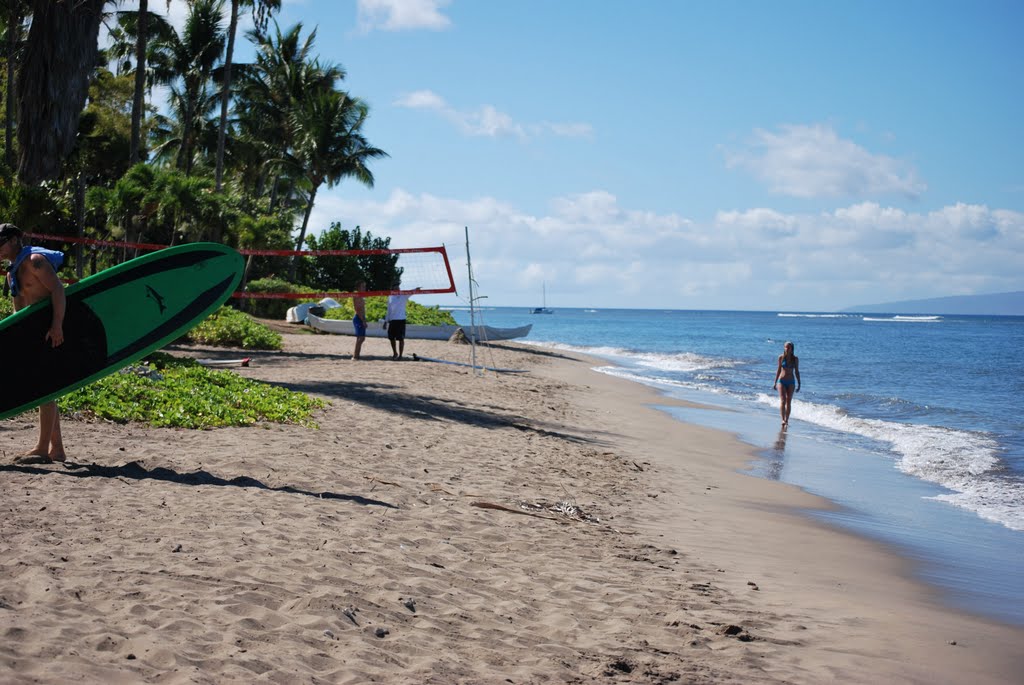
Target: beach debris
x: 143, y: 371
x: 753, y: 585
x: 735, y: 631
x: 382, y: 632
x: 409, y: 604
x: 502, y: 507
x: 350, y: 614
x: 620, y: 666
x: 329, y: 634
x: 177, y: 548
x: 374, y: 479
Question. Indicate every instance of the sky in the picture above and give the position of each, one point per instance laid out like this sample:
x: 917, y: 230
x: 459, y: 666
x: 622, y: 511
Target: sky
x: 789, y: 156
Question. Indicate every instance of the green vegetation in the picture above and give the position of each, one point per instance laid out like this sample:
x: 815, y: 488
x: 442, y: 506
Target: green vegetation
x: 334, y: 274
x: 229, y: 327
x: 377, y: 309
x: 238, y: 162
x: 180, y: 393
x: 271, y: 308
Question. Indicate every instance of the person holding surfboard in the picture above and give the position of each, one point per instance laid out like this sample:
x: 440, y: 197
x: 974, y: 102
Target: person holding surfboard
x: 33, y: 277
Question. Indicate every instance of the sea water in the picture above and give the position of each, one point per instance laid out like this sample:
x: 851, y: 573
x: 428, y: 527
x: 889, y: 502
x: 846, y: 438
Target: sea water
x: 912, y: 424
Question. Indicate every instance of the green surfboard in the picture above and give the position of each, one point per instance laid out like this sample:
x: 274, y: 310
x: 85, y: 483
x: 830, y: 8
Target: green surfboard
x: 112, y: 319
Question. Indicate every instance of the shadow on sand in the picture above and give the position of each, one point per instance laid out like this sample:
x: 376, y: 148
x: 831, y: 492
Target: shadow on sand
x: 133, y: 470
x: 385, y: 397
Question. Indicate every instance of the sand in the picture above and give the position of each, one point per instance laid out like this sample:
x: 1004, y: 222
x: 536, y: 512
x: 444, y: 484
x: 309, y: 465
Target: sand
x: 443, y: 526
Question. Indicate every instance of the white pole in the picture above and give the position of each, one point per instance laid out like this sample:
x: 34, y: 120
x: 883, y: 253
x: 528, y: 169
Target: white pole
x: 472, y: 305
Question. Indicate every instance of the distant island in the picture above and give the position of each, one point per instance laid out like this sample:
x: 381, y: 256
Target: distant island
x: 998, y: 304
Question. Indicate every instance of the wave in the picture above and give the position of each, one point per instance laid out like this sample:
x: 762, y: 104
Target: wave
x: 911, y: 319
x: 816, y: 316
x: 685, y: 362
x: 964, y: 462
x: 660, y: 381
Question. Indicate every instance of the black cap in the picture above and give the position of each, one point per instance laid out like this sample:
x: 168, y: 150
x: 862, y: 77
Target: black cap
x: 8, y: 231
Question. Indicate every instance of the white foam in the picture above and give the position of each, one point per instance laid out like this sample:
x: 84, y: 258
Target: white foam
x: 685, y: 362
x: 815, y: 316
x: 962, y: 461
x: 907, y: 319
x: 659, y: 381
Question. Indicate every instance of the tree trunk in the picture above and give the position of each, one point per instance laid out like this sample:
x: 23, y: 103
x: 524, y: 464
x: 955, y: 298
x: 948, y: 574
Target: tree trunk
x: 13, y: 32
x: 302, y: 234
x: 226, y: 93
x: 80, y: 220
x: 139, y: 99
x: 53, y: 83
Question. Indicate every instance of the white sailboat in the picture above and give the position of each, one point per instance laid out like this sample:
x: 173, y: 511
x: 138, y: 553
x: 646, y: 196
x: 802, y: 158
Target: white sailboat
x: 543, y: 309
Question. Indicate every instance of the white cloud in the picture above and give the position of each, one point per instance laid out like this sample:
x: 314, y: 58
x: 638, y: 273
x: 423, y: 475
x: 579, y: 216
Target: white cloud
x: 813, y: 161
x: 592, y: 251
x: 401, y: 15
x: 487, y: 121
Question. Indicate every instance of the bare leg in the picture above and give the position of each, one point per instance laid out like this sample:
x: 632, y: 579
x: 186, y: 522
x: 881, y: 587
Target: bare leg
x: 788, y: 405
x: 51, y: 443
x: 782, y: 403
x: 394, y: 349
x: 401, y: 347
x: 359, y: 346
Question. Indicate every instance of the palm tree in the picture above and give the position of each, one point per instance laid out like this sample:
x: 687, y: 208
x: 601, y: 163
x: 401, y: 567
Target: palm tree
x: 330, y: 146
x: 196, y: 53
x: 261, y: 13
x: 139, y: 99
x: 139, y: 43
x: 60, y: 54
x: 269, y: 90
x: 187, y: 134
x: 13, y: 41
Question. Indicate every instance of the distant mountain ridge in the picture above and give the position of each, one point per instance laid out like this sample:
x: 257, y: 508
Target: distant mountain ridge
x: 997, y: 304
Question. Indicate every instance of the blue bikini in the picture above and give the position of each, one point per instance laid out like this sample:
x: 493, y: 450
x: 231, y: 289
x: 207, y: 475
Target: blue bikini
x: 787, y: 382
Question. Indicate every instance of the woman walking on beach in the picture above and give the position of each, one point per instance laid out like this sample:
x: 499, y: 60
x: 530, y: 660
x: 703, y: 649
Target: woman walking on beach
x: 787, y: 380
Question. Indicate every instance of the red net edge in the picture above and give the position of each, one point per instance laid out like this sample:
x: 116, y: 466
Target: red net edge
x: 287, y: 253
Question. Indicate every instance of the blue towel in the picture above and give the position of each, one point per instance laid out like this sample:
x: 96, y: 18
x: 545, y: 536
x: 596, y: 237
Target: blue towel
x: 55, y: 257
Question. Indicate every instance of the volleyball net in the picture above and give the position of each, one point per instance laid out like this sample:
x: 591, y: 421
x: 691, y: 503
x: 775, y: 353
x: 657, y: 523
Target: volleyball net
x: 400, y: 271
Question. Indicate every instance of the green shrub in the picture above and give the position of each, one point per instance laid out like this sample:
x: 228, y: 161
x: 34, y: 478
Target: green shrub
x: 6, y: 307
x: 270, y: 308
x: 229, y: 327
x: 170, y: 392
x: 377, y: 309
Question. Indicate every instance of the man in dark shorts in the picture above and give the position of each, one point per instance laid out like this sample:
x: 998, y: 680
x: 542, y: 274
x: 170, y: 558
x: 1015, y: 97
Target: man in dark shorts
x: 395, y: 322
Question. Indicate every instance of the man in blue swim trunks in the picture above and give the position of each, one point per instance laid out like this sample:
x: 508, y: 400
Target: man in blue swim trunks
x: 359, y: 320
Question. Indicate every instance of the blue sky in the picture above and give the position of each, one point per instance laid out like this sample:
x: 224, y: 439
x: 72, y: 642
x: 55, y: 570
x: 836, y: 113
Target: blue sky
x: 791, y: 156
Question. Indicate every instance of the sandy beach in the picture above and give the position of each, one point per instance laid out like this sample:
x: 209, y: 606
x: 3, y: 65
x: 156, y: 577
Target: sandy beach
x: 441, y: 526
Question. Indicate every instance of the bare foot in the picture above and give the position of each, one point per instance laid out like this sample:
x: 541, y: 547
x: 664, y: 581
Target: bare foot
x: 39, y: 457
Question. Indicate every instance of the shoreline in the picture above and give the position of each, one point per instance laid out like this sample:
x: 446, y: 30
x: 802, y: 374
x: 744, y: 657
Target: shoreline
x: 553, y: 526
x: 859, y: 565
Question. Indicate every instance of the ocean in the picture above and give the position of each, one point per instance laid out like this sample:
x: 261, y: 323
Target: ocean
x: 910, y: 424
